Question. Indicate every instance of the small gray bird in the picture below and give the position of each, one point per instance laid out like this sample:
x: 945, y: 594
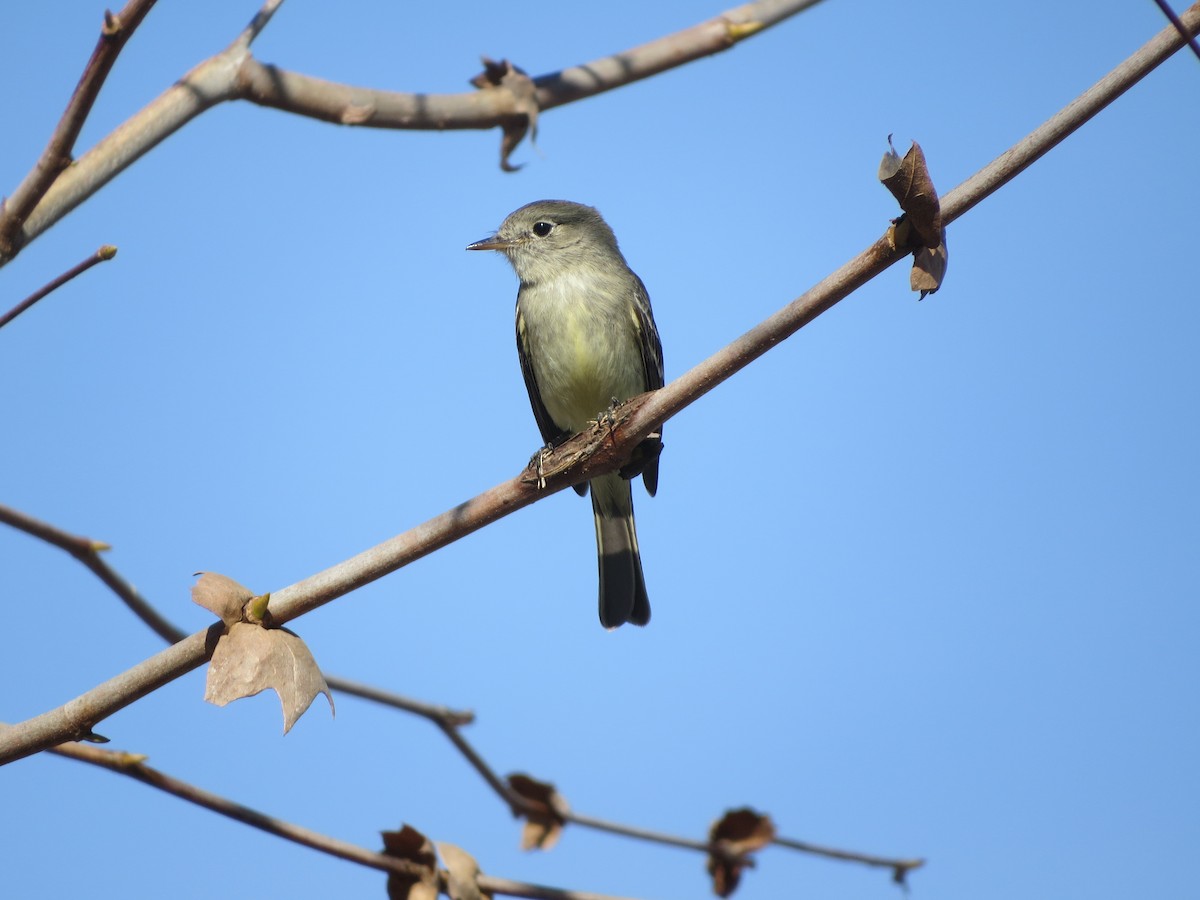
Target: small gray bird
x: 587, y: 340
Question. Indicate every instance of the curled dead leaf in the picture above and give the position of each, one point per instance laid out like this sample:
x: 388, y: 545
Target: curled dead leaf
x: 920, y: 228
x: 545, y: 820
x: 462, y: 882
x: 221, y: 595
x: 248, y: 659
x: 910, y: 183
x: 736, y: 835
x: 929, y: 268
x: 413, y: 847
x: 503, y: 75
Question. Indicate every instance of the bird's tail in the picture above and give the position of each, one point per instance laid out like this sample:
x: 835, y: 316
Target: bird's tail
x: 622, y: 587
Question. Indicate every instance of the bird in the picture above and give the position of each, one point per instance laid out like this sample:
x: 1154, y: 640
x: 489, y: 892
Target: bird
x: 587, y: 341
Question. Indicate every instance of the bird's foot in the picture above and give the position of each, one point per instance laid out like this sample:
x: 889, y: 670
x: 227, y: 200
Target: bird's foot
x: 608, y: 418
x: 537, y: 462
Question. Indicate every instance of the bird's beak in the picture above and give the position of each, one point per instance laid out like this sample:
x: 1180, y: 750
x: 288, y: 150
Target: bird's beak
x: 495, y: 242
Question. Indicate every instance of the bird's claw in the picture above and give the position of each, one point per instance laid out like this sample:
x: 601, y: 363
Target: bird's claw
x: 539, y: 461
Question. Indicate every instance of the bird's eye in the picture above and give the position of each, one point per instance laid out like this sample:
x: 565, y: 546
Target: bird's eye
x: 541, y: 229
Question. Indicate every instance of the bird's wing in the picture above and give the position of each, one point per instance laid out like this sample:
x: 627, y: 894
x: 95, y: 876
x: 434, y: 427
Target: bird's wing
x: 551, y: 433
x: 652, y: 366
x: 652, y: 355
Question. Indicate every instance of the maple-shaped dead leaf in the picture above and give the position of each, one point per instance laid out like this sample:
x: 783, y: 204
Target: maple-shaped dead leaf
x: 737, y: 834
x: 920, y: 228
x: 462, y: 882
x: 251, y: 657
x: 503, y: 75
x: 544, y: 823
x: 409, y: 844
x: 248, y: 659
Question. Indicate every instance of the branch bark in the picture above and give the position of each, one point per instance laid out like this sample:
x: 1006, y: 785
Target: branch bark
x: 591, y: 453
x: 234, y: 74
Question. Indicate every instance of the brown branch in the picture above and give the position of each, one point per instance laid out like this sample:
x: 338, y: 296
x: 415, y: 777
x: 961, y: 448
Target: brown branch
x: 133, y: 765
x: 57, y: 155
x: 234, y: 74
x: 104, y: 254
x: 588, y: 454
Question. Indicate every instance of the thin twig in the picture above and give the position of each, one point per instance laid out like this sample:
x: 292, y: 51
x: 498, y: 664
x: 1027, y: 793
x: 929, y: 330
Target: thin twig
x: 635, y: 420
x: 104, y: 254
x: 516, y: 803
x: 88, y: 551
x: 134, y: 766
x: 57, y: 155
x: 1170, y: 14
x: 234, y: 74
x: 259, y: 22
x: 644, y: 834
x: 443, y: 716
x: 900, y: 867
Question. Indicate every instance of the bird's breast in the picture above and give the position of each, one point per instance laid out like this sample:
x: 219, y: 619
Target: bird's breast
x: 581, y: 337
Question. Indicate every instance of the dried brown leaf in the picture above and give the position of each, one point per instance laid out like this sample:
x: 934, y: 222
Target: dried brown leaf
x: 920, y: 228
x: 221, y: 595
x: 463, y: 880
x: 410, y: 845
x: 544, y: 824
x: 910, y: 183
x: 503, y: 75
x: 248, y: 659
x: 929, y: 268
x: 737, y: 834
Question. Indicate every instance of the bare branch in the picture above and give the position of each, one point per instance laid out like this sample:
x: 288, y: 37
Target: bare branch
x: 88, y: 551
x: 133, y: 765
x: 585, y: 455
x: 57, y: 155
x: 104, y: 254
x: 234, y: 74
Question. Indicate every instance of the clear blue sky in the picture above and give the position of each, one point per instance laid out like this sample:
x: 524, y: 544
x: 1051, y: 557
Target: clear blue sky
x: 924, y: 578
